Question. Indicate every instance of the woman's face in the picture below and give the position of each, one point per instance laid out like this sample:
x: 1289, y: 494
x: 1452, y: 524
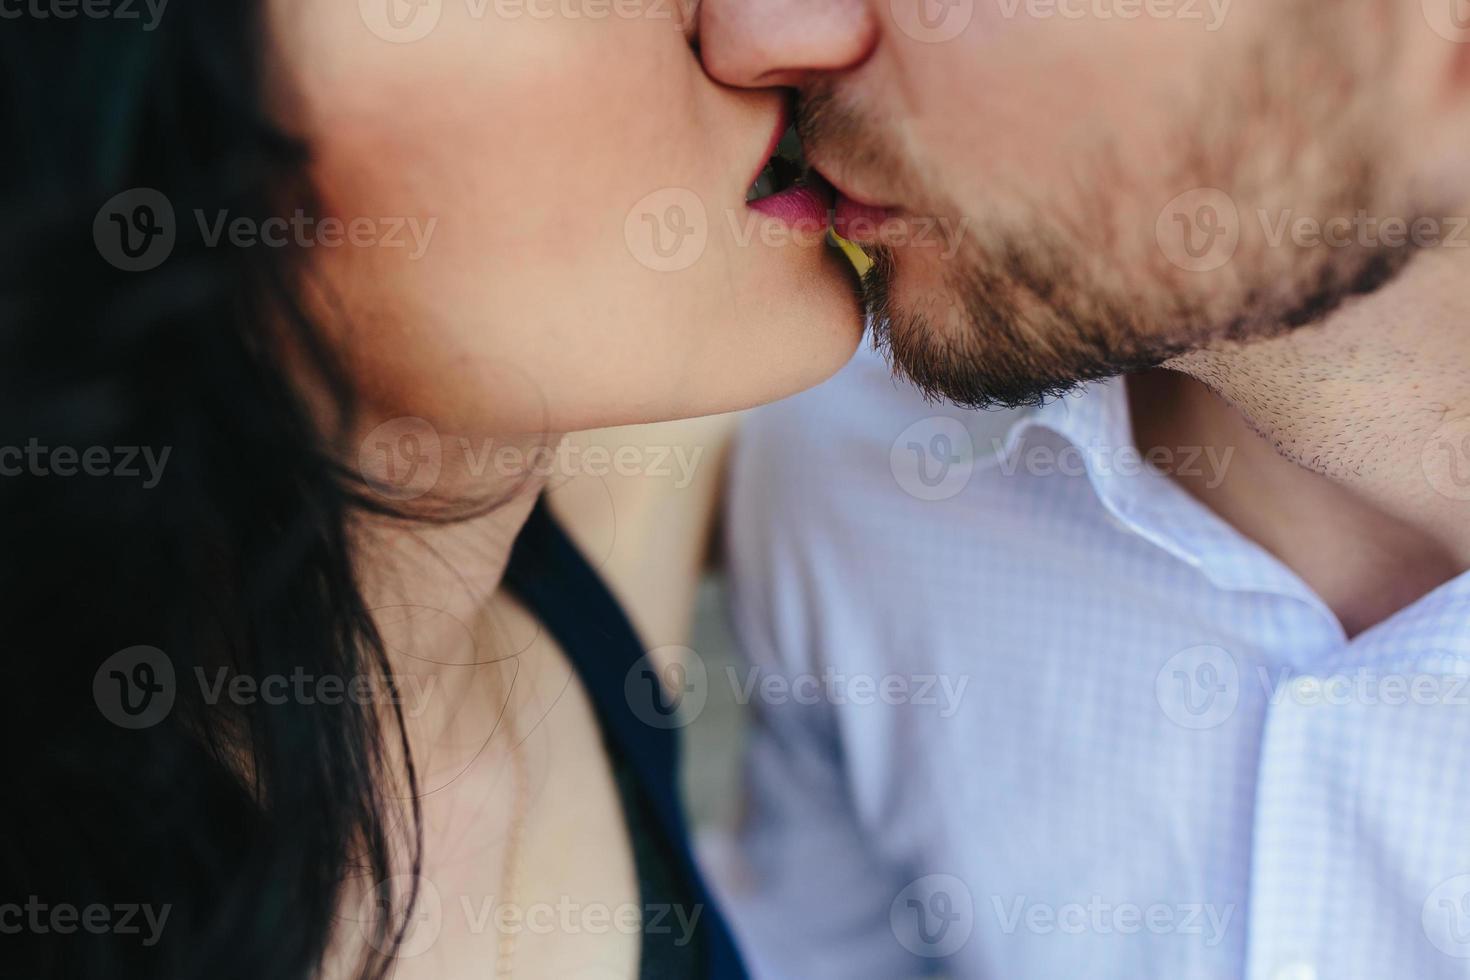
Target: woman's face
x: 549, y: 199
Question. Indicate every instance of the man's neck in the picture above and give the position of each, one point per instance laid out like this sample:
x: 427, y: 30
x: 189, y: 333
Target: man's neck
x: 1351, y: 440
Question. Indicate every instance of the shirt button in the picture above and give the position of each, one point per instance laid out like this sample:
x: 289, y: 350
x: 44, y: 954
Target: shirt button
x: 1295, y: 971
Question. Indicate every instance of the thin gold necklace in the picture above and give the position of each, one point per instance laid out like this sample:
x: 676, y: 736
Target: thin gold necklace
x: 510, y: 873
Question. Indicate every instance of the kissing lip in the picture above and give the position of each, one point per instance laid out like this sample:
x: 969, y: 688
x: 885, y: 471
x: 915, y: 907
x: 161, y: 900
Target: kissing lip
x: 806, y: 204
x: 855, y: 218
x: 804, y: 207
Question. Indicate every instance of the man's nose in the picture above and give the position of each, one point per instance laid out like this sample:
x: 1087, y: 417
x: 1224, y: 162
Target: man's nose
x: 759, y: 43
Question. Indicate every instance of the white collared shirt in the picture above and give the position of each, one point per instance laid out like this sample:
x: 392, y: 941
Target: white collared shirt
x: 1044, y: 716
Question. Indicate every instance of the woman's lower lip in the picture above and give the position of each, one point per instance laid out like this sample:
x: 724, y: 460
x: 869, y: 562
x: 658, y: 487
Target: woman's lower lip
x: 800, y: 206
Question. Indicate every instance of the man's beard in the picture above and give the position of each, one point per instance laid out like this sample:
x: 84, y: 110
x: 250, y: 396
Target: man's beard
x: 1031, y: 308
x: 1027, y: 323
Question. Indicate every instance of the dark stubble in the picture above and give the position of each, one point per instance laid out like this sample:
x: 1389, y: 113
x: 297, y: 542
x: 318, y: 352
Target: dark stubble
x: 1032, y: 308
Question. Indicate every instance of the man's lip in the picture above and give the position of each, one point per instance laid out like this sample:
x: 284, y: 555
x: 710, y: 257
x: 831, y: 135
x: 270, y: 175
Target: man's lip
x: 819, y: 159
x: 858, y: 222
x: 854, y: 218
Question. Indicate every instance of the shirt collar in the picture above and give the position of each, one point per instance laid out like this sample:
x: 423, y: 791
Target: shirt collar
x: 1433, y: 634
x: 1095, y: 420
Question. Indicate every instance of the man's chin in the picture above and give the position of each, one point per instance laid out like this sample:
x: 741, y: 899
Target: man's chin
x: 965, y: 380
x: 976, y: 348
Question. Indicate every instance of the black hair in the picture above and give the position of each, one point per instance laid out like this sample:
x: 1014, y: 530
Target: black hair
x: 239, y: 822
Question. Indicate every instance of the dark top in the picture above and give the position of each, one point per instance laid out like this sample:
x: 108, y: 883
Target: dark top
x: 551, y: 577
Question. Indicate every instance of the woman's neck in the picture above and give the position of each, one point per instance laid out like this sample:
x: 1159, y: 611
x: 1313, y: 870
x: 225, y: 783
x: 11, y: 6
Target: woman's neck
x: 451, y: 639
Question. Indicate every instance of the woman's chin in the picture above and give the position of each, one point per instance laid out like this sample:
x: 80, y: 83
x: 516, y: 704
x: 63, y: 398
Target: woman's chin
x: 796, y: 339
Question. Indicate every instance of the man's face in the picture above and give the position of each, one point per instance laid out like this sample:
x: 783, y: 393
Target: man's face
x: 1062, y: 190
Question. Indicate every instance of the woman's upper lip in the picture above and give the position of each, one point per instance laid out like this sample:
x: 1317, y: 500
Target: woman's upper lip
x: 783, y: 122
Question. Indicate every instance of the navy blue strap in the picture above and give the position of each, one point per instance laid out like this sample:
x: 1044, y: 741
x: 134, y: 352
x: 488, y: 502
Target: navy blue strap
x: 571, y: 601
